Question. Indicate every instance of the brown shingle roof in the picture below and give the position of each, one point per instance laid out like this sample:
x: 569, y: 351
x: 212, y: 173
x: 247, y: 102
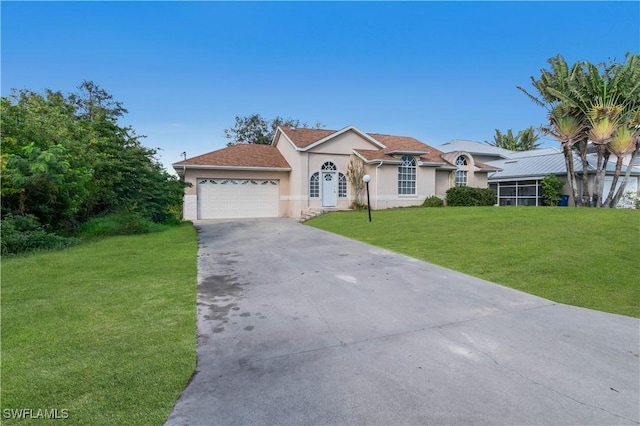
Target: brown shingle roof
x: 303, y: 137
x: 245, y: 155
x: 485, y: 166
x: 406, y: 143
x: 268, y: 156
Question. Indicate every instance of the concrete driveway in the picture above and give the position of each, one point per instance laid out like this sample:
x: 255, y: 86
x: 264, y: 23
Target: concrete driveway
x: 302, y: 327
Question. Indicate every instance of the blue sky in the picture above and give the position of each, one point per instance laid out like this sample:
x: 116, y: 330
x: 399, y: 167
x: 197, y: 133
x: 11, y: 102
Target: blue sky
x: 436, y: 71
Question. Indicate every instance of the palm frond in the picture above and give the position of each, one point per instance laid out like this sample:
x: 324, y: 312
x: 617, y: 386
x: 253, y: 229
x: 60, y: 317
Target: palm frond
x: 622, y: 142
x: 531, y: 97
x: 602, y: 131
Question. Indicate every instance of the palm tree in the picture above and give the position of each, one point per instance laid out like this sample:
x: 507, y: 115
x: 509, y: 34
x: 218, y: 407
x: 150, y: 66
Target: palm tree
x: 567, y: 129
x: 599, y: 98
x: 504, y: 140
x: 604, y: 121
x: 625, y: 147
x: 527, y: 139
x: 621, y: 145
x: 556, y: 94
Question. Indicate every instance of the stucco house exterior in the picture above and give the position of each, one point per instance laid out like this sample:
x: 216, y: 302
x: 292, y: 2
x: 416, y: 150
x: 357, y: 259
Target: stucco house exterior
x: 305, y: 170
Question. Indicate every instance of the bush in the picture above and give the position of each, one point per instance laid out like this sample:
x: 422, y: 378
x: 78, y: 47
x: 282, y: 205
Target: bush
x: 551, y: 190
x: 467, y: 196
x: 24, y: 234
x: 433, y: 201
x: 117, y: 224
x: 486, y: 196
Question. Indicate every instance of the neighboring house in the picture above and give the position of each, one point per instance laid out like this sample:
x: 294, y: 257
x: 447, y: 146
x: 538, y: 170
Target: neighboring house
x: 481, y: 151
x: 306, y: 169
x: 518, y: 180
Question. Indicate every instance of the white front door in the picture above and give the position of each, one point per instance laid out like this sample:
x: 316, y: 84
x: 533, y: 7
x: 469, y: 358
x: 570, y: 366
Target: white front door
x: 329, y: 189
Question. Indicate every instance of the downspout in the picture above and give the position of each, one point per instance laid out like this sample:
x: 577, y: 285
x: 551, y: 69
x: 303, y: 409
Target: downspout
x: 377, y: 167
x: 308, y: 176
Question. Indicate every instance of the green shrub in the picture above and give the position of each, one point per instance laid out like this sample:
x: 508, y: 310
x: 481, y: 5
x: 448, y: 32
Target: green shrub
x: 117, y: 224
x: 486, y: 196
x: 551, y: 190
x: 24, y: 234
x: 467, y: 196
x: 433, y: 201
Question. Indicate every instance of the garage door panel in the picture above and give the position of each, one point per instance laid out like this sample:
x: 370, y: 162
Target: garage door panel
x: 237, y: 198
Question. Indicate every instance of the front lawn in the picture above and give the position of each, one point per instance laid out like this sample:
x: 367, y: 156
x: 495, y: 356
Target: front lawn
x: 583, y: 257
x: 103, y: 332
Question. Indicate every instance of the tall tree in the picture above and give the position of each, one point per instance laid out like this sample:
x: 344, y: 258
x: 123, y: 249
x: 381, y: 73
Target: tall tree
x: 66, y: 159
x: 258, y: 130
x: 598, y: 99
x: 42, y: 174
x: 525, y: 140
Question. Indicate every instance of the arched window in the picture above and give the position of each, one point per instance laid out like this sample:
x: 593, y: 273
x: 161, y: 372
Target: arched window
x: 314, y: 185
x: 329, y: 166
x: 461, y: 173
x: 407, y: 176
x: 342, y: 186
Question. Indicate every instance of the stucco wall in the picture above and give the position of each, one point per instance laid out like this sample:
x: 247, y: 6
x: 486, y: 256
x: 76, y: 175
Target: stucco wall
x: 296, y: 193
x: 480, y: 180
x: 384, y: 186
x: 305, y: 163
x: 344, y: 144
x: 444, y: 181
x: 315, y: 161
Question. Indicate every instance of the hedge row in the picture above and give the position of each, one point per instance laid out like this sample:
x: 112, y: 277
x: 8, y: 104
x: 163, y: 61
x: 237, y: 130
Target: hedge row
x: 467, y: 196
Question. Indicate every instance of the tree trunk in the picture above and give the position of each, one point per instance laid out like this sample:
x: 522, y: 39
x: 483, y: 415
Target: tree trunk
x: 620, y: 191
x: 571, y: 176
x: 603, y: 173
x: 586, y: 192
x: 616, y: 175
x: 599, y: 184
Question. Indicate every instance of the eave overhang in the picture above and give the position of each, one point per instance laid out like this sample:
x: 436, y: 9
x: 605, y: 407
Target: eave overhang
x: 244, y: 168
x: 430, y: 164
x: 406, y: 152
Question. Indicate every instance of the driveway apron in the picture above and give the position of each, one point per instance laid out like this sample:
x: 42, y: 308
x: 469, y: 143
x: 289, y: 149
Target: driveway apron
x: 302, y: 327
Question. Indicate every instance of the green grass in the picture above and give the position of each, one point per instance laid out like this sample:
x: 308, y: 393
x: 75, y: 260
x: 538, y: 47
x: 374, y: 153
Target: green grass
x: 582, y: 257
x: 105, y: 329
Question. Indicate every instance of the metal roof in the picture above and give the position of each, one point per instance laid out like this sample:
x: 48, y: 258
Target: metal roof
x: 533, y: 166
x: 544, y: 162
x: 539, y: 151
x: 473, y: 147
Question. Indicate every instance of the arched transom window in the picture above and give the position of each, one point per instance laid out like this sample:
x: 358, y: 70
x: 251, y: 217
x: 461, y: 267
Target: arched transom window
x: 329, y: 166
x: 461, y: 160
x: 407, y: 176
